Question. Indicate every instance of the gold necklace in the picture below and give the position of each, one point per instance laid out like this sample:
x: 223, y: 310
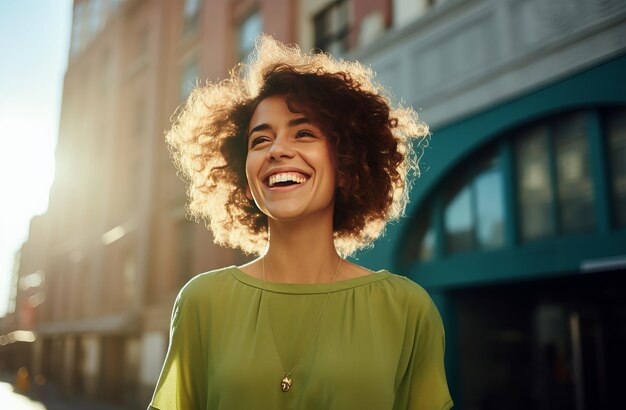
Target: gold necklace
x: 286, y: 381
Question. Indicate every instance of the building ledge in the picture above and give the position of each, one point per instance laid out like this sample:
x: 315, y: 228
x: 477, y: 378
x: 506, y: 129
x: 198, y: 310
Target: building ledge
x: 120, y: 323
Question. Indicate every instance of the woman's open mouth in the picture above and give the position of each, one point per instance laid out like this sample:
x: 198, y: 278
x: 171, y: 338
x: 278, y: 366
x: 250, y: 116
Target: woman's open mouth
x: 285, y: 179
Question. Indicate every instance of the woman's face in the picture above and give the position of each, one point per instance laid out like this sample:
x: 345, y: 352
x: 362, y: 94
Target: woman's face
x: 290, y: 166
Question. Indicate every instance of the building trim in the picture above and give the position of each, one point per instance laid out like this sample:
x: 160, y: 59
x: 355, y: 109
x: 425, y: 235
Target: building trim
x: 127, y: 322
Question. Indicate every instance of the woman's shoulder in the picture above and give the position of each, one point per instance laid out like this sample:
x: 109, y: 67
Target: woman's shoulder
x: 407, y: 290
x: 203, y: 284
x: 412, y: 300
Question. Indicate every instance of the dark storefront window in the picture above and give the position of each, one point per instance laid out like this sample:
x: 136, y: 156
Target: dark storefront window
x: 616, y: 133
x: 550, y: 344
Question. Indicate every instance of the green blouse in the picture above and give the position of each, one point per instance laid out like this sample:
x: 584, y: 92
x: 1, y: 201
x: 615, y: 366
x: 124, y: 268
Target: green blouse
x: 379, y: 345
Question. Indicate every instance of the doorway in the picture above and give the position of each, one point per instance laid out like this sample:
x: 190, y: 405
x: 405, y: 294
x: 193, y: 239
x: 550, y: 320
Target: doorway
x: 547, y: 344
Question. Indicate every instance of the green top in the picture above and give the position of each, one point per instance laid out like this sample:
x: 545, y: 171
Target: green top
x: 379, y: 345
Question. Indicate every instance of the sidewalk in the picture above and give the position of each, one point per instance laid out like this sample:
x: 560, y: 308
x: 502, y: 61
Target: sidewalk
x: 52, y: 399
x: 47, y: 397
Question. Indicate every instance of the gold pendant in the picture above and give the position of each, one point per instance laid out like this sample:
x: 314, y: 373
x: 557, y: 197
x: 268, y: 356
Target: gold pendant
x: 285, y: 384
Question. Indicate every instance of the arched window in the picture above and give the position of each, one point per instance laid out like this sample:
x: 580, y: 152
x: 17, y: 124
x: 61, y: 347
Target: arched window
x: 473, y: 206
x: 567, y: 176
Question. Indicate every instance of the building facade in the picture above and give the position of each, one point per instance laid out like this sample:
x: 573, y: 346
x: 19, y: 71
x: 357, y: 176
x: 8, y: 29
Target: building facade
x: 106, y: 261
x: 516, y: 226
x: 522, y: 187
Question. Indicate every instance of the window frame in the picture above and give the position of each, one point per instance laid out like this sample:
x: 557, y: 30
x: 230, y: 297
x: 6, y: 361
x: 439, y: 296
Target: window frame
x: 324, y: 39
x: 600, y: 172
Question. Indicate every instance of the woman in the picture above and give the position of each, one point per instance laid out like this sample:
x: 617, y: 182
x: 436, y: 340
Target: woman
x: 300, y: 159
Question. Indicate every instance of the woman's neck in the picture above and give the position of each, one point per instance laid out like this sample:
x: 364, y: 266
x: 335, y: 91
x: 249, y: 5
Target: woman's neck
x: 301, y: 252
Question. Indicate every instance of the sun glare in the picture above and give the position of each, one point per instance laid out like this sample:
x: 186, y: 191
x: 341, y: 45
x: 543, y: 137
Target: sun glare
x: 26, y: 173
x: 26, y: 169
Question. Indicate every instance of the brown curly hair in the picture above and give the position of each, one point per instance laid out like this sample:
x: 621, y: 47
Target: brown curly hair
x: 374, y: 142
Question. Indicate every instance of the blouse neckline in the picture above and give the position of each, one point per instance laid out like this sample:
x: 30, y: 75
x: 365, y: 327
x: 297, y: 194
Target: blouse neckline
x: 307, y: 288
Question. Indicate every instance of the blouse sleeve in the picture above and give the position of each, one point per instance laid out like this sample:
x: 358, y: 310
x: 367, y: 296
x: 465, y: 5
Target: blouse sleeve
x: 424, y: 386
x: 181, y: 382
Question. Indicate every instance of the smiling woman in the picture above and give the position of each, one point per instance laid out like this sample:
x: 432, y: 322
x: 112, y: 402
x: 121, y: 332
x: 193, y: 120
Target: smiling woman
x: 372, y: 140
x: 290, y: 166
x: 300, y: 160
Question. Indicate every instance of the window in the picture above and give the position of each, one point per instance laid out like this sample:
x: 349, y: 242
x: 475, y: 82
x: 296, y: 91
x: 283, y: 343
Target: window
x: 331, y: 28
x: 534, y: 190
x: 189, y: 79
x: 616, y: 135
x: 249, y: 29
x: 459, y: 226
x: 89, y: 18
x: 575, y: 193
x: 78, y: 35
x: 560, y: 144
x: 427, y: 249
x: 423, y: 248
x: 488, y: 186
x: 474, y: 211
x: 191, y: 12
x: 549, y: 166
x: 407, y: 11
x: 96, y: 16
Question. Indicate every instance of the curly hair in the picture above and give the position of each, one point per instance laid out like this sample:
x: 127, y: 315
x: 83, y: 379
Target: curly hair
x: 375, y: 143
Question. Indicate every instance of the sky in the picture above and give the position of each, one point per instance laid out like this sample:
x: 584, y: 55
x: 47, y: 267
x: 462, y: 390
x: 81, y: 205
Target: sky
x: 34, y: 47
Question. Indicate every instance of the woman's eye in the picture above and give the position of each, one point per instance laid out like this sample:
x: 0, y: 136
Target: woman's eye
x: 304, y: 133
x: 257, y: 140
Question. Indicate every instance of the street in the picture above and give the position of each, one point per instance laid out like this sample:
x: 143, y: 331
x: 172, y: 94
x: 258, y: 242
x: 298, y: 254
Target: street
x: 50, y: 400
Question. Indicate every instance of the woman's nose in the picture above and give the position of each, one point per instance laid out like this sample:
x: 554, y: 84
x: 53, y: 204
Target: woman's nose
x: 280, y: 149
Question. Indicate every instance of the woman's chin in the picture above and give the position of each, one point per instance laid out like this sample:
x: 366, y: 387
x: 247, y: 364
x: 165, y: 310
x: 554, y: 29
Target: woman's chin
x: 298, y: 213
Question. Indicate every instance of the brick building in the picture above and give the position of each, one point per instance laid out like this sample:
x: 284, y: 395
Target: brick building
x: 108, y: 258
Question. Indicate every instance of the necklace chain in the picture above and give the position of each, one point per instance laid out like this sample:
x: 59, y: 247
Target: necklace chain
x: 286, y: 382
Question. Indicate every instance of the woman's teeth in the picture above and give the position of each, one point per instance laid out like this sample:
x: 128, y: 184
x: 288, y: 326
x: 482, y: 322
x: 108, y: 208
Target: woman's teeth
x: 285, y: 177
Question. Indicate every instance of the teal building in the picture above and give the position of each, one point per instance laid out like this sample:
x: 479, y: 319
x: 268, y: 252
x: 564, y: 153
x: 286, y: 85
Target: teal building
x: 517, y: 225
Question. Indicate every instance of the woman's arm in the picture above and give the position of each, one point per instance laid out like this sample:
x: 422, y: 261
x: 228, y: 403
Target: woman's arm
x: 181, y: 384
x: 424, y: 385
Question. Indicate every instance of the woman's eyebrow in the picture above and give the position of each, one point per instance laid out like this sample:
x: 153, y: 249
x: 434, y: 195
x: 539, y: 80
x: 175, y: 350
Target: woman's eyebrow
x: 298, y: 121
x: 291, y: 123
x: 260, y: 127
